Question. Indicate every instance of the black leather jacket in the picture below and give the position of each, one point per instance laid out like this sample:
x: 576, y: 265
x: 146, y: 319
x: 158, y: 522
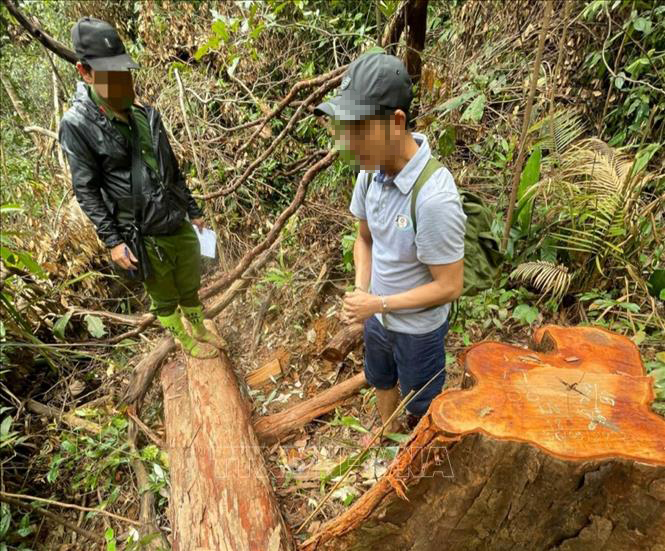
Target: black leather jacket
x: 100, y: 162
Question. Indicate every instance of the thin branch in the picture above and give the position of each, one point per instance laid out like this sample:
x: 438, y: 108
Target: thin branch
x: 525, y: 123
x: 313, y: 96
x: 55, y: 518
x: 289, y: 98
x: 625, y: 77
x: 299, y: 198
x: 199, y: 169
x: 69, y: 506
x: 40, y: 130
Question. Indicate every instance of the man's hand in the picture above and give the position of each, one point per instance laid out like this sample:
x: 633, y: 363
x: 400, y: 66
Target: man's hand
x: 358, y: 306
x: 199, y: 223
x: 123, y: 257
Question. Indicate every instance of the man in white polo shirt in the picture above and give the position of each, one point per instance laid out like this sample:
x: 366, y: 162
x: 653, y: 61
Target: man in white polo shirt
x: 409, y: 254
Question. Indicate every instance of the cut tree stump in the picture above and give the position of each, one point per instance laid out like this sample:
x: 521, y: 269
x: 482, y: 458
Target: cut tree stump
x: 271, y: 428
x: 554, y: 448
x: 221, y: 496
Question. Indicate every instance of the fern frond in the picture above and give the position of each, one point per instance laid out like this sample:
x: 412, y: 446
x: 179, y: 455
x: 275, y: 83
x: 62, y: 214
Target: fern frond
x: 557, y: 131
x: 547, y: 277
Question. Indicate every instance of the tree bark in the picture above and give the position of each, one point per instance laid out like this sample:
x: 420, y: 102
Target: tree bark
x: 393, y: 30
x: 345, y: 341
x: 416, y: 22
x: 554, y: 448
x: 221, y: 496
x: 271, y: 428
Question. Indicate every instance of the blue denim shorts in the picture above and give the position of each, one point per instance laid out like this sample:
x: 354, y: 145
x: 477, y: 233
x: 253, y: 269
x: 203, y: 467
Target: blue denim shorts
x: 411, y: 360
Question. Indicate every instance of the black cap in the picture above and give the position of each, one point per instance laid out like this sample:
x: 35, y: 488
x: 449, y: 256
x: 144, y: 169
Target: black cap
x: 97, y: 44
x: 373, y: 81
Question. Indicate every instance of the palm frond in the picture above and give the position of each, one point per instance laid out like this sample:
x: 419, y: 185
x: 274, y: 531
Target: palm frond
x: 547, y: 277
x: 555, y: 132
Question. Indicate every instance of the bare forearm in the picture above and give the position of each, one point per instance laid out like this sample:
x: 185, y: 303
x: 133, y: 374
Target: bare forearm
x: 362, y: 258
x: 430, y: 294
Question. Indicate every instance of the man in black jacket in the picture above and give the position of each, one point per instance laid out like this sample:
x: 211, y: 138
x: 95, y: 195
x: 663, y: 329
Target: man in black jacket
x: 127, y: 180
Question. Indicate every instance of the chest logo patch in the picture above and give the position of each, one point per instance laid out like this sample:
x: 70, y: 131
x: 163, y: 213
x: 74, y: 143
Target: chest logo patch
x: 403, y: 222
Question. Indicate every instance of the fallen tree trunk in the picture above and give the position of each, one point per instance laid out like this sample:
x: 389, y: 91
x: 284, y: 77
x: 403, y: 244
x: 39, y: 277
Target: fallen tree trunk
x: 555, y: 448
x: 221, y: 496
x: 346, y: 340
x: 271, y: 428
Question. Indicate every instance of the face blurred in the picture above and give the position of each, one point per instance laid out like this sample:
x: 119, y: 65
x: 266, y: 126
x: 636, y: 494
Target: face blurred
x: 114, y: 87
x: 373, y: 141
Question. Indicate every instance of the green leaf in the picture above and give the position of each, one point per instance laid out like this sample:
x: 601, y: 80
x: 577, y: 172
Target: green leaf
x: 5, y: 426
x: 351, y: 422
x: 455, y: 102
x: 643, y: 157
x: 5, y: 520
x: 342, y: 468
x: 525, y: 314
x: 10, y: 207
x: 656, y: 283
x: 95, y: 326
x: 619, y: 80
x: 530, y: 175
x: 474, y: 112
x: 61, y: 325
x: 636, y: 67
x: 447, y: 140
x: 110, y: 539
x: 642, y: 24
x: 30, y: 264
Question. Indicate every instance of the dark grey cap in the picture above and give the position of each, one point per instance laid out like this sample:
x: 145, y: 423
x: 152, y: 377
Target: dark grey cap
x: 97, y: 44
x: 372, y: 81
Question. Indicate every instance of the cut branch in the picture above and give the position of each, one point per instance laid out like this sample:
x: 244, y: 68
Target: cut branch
x: 345, y: 341
x: 145, y: 371
x: 272, y: 428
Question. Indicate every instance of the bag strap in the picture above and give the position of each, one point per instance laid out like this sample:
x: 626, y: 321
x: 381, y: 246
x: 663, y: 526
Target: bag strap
x: 136, y: 174
x: 430, y: 168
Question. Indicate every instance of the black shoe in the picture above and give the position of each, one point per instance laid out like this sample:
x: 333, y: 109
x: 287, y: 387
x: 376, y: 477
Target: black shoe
x: 412, y: 420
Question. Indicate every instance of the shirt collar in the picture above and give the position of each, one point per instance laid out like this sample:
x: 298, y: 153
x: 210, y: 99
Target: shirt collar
x: 407, y: 177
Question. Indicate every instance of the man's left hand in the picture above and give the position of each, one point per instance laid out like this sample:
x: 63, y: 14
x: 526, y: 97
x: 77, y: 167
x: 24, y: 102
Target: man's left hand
x: 358, y: 306
x: 199, y: 223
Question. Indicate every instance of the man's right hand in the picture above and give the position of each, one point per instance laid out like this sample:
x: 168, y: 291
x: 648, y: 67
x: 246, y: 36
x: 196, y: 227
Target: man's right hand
x: 123, y: 257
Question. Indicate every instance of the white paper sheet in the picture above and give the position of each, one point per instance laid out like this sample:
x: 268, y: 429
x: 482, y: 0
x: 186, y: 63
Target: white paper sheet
x: 207, y: 240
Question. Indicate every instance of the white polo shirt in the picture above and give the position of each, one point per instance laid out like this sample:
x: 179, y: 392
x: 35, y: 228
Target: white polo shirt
x: 400, y: 256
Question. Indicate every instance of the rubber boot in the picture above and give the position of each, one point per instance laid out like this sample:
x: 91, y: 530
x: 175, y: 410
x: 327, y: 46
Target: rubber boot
x: 174, y: 324
x: 200, y: 332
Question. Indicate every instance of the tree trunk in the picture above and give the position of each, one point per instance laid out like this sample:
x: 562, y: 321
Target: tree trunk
x: 271, y: 428
x: 553, y: 448
x: 416, y: 21
x: 221, y: 497
x: 393, y: 30
x: 346, y: 340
